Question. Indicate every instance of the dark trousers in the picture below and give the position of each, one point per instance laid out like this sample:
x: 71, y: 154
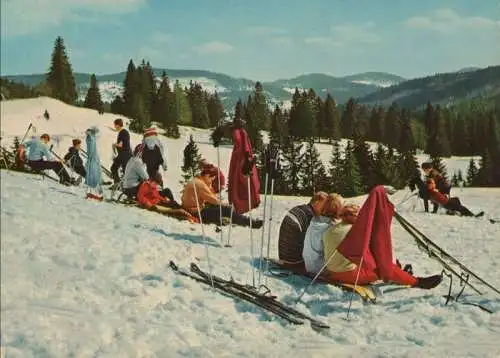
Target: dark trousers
x: 131, y: 193
x: 211, y: 215
x: 80, y: 170
x: 39, y: 165
x: 120, y: 162
x: 455, y: 205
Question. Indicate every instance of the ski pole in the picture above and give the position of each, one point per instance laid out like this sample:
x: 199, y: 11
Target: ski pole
x: 269, y: 227
x: 205, y: 240
x: 220, y: 192
x: 251, y: 231
x: 228, y: 244
x: 26, y: 134
x: 263, y: 230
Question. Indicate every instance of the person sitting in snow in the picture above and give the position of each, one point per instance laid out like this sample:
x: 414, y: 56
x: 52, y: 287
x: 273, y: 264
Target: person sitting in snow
x: 73, y: 159
x: 450, y: 204
x: 150, y: 197
x: 201, y: 187
x: 357, y: 244
x: 153, y: 153
x: 220, y: 181
x: 443, y: 186
x: 293, y: 230
x: 135, y: 173
x: 37, y: 150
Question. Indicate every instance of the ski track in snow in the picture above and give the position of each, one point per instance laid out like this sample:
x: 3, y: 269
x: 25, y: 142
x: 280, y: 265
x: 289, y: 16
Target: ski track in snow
x: 87, y: 279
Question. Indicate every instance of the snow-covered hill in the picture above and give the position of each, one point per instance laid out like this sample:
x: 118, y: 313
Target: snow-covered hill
x: 81, y: 278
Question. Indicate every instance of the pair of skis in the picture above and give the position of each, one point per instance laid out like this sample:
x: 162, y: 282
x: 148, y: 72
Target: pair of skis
x: 250, y: 294
x: 446, y: 260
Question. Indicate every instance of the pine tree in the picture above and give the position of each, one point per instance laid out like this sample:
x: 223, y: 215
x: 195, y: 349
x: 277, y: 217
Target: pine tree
x: 165, y: 108
x: 485, y: 173
x: 130, y: 91
x: 117, y: 106
x: 238, y: 109
x: 336, y: 171
x: 192, y: 159
x: 472, y: 172
x: 277, y: 131
x: 353, y: 181
x: 392, y: 128
x: 348, y: 120
x: 376, y: 128
x: 364, y: 157
x: 182, y: 108
x: 331, y: 120
x: 292, y: 166
x: 438, y: 142
x: 60, y: 76
x: 215, y: 110
x: 313, y: 175
x: 93, y: 98
x: 198, y: 104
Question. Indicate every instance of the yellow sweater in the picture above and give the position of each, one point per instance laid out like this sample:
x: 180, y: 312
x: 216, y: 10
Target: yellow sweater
x: 331, y: 240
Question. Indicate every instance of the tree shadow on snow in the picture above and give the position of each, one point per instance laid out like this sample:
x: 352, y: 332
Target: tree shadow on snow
x: 196, y: 239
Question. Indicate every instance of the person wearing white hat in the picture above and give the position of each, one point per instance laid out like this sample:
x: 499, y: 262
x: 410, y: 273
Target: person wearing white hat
x: 153, y: 153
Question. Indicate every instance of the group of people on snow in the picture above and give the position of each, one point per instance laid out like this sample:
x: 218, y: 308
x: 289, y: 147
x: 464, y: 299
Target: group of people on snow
x: 338, y: 241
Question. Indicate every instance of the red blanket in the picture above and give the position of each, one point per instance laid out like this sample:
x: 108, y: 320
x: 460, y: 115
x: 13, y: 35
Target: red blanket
x: 237, y: 183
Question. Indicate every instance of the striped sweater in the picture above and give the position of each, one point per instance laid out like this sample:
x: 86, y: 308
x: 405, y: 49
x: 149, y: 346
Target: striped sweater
x: 292, y: 233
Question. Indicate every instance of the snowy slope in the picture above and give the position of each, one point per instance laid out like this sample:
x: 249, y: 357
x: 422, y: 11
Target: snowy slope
x: 85, y: 279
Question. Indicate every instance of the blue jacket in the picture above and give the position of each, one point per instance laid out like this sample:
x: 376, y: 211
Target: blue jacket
x: 36, y: 150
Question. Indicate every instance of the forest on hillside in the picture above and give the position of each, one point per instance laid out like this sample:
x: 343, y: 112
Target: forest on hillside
x: 468, y: 128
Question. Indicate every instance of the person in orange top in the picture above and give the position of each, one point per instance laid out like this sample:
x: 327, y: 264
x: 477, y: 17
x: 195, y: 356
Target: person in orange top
x: 452, y: 204
x: 210, y: 214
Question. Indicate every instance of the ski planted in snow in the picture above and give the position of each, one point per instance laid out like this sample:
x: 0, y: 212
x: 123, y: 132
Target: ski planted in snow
x: 250, y: 294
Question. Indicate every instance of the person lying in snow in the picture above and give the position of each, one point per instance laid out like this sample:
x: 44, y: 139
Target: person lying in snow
x: 73, y: 159
x: 293, y: 230
x: 450, y: 204
x: 354, y: 245
x: 150, y: 197
x: 37, y: 150
x: 210, y: 213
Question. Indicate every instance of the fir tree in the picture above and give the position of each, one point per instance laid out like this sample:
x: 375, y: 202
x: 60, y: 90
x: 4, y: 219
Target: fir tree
x: 313, y: 176
x: 182, y: 108
x: 166, y: 109
x: 438, y: 142
x: 277, y: 131
x: 130, y: 91
x: 353, y: 181
x: 472, y: 172
x: 238, y: 109
x: 336, y: 170
x: 348, y: 120
x: 485, y: 173
x: 191, y: 163
x: 331, y: 120
x: 215, y: 110
x: 438, y: 164
x: 93, y: 98
x: 292, y: 166
x: 60, y: 76
x: 198, y: 104
x: 393, y: 126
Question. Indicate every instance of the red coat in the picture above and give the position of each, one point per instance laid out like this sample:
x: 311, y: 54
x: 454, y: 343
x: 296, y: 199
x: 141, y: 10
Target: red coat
x: 237, y: 185
x: 149, y: 195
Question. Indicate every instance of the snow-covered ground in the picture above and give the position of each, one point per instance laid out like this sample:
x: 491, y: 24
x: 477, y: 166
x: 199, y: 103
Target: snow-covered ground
x: 82, y: 279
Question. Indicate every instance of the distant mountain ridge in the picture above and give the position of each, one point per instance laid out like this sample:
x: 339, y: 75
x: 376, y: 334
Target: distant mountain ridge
x: 444, y: 89
x: 230, y: 88
x: 368, y: 87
